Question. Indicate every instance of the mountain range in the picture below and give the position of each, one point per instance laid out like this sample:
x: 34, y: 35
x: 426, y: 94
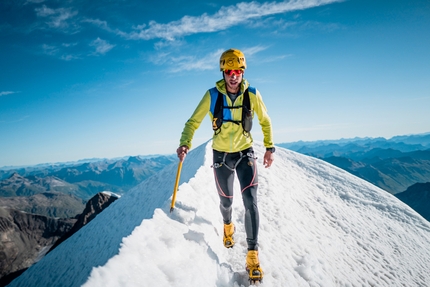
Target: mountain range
x: 319, y: 226
x: 61, y: 190
x: 39, y: 200
x: 88, y: 178
x: 393, y: 164
x: 51, y: 204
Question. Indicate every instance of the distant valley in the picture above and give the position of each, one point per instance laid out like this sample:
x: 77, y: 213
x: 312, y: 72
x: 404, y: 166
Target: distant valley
x: 61, y: 190
x: 41, y: 206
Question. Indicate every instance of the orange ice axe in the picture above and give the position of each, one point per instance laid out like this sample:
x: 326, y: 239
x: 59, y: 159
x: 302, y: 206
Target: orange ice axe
x: 178, y: 175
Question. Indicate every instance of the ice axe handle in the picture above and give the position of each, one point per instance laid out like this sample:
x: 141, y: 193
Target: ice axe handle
x: 175, y: 189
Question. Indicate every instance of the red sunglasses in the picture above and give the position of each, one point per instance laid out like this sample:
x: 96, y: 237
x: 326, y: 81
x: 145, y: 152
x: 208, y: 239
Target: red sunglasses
x: 230, y: 72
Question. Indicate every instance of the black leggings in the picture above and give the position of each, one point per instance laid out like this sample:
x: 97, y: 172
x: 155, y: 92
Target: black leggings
x: 225, y: 165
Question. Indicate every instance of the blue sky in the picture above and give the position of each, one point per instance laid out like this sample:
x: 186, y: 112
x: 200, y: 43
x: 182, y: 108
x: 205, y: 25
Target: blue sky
x: 84, y: 79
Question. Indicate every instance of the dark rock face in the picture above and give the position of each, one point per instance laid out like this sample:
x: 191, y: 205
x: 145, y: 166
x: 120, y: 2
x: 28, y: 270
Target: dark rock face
x: 94, y: 206
x: 26, y: 237
x: 417, y: 196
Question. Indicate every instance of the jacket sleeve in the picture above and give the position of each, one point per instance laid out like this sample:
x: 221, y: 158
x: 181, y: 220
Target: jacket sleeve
x: 264, y: 120
x: 194, y: 122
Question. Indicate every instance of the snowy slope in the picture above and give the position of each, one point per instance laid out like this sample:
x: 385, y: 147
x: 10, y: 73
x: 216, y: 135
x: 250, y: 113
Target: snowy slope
x: 319, y: 226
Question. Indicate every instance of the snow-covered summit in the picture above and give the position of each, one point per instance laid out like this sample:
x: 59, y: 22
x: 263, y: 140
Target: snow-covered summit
x: 319, y: 226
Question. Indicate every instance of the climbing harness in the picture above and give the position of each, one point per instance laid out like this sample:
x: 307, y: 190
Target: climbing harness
x: 249, y: 154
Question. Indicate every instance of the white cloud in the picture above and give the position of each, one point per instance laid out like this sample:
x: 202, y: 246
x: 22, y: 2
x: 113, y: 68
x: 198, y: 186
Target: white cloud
x: 10, y: 121
x: 67, y: 45
x: 58, y: 18
x: 104, y: 25
x: 190, y: 63
x: 44, y: 11
x: 271, y: 22
x: 226, y: 17
x: 60, y: 52
x: 35, y: 1
x: 69, y: 57
x: 207, y: 62
x: 102, y: 46
x: 98, y: 22
x: 50, y: 50
x: 253, y: 50
x: 6, y: 93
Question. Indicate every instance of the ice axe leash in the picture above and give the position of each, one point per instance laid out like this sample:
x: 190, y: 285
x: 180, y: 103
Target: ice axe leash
x: 178, y: 175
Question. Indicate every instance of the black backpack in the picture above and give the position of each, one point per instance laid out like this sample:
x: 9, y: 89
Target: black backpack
x: 218, y: 118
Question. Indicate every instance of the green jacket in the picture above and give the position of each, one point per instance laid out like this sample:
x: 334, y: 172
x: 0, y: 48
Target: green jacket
x: 231, y: 137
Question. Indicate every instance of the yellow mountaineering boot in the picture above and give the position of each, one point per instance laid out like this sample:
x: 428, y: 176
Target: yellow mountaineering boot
x: 228, y: 235
x: 253, y: 266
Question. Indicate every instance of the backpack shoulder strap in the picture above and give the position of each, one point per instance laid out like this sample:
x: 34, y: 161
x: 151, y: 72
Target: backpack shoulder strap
x: 219, y: 104
x: 218, y: 113
x: 246, y: 102
x: 246, y: 113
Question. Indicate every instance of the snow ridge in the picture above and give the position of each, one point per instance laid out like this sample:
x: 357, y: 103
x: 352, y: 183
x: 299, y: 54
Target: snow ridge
x: 319, y: 226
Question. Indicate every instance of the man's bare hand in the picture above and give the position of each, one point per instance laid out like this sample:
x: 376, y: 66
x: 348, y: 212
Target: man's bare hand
x: 182, y: 152
x: 268, y: 159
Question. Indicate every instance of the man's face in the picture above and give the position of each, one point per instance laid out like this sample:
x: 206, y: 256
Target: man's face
x: 233, y: 78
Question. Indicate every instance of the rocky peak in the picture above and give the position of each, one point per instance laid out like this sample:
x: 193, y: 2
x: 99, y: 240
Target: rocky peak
x: 94, y: 206
x: 27, y: 237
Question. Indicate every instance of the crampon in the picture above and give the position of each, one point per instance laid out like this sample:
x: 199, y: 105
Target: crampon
x: 255, y: 275
x: 228, y: 235
x: 253, y: 268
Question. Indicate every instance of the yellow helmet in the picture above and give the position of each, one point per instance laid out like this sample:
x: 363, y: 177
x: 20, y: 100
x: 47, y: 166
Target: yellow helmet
x: 232, y: 59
